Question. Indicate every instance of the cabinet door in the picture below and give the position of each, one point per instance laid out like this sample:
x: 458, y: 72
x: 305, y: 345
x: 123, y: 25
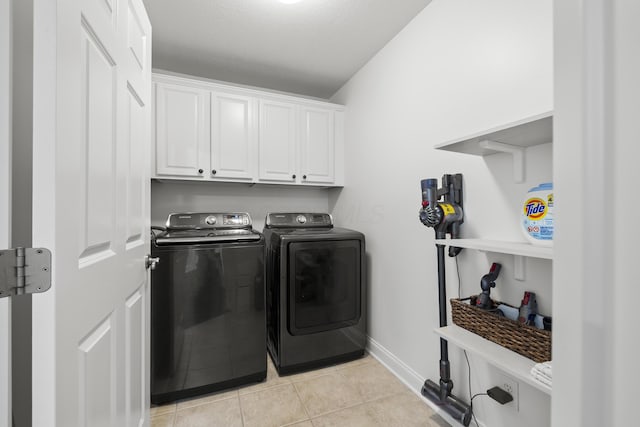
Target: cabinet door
x: 277, y: 137
x: 182, y: 131
x: 317, y: 145
x: 232, y: 138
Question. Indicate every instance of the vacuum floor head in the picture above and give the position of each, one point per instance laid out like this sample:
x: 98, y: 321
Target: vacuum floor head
x: 453, y: 406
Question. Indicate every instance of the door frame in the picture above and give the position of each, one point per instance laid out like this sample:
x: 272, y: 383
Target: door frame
x: 595, y: 250
x: 5, y: 202
x: 44, y: 131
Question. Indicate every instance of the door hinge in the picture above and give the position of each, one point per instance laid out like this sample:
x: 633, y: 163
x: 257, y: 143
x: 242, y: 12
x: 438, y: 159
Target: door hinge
x: 24, y: 271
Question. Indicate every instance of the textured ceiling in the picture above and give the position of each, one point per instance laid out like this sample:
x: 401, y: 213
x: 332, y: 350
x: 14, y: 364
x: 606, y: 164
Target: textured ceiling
x: 310, y: 48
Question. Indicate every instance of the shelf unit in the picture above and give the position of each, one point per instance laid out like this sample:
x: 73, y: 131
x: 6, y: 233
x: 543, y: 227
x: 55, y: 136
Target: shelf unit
x: 506, y: 360
x: 511, y: 138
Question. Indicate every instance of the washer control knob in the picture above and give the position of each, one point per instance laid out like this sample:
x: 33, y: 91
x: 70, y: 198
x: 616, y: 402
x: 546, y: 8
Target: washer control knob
x: 210, y: 220
x: 301, y: 219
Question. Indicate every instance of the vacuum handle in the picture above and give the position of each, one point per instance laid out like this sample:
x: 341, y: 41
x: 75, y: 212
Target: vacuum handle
x: 494, y: 271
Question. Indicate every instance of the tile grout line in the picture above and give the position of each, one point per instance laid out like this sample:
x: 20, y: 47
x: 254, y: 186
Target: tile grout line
x: 207, y: 403
x: 339, y: 409
x: 355, y: 405
x: 241, y: 411
x: 338, y: 369
x: 313, y: 378
x: 301, y: 402
x: 364, y: 402
x: 246, y: 393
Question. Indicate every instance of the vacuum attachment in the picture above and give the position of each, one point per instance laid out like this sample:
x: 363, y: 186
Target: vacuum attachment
x: 487, y: 282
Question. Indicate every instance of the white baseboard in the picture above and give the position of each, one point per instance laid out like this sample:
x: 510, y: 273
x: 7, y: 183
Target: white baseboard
x: 407, y: 375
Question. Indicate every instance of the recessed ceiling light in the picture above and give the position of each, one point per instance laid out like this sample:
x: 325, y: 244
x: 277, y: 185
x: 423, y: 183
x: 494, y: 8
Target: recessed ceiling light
x: 289, y: 1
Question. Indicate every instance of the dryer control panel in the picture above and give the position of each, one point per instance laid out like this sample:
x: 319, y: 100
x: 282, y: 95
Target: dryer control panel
x: 298, y: 219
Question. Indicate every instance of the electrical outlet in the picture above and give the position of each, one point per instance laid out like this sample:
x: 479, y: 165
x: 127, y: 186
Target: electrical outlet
x: 510, y: 385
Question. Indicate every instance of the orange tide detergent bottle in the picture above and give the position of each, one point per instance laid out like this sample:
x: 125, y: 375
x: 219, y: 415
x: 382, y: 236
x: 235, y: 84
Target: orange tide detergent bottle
x: 537, y: 215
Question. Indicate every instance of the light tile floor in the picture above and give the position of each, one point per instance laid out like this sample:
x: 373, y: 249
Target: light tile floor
x: 359, y: 393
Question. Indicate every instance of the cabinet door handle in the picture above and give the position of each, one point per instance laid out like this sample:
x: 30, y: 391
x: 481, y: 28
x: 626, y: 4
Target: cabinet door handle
x: 213, y: 172
x: 304, y: 176
x: 200, y: 171
x: 293, y: 176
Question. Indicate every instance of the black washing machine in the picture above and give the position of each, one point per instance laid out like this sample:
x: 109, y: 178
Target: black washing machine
x: 315, y: 291
x: 208, y: 321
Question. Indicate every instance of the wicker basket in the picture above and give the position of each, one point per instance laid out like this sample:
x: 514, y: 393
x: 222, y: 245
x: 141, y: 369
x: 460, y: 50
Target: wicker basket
x: 528, y: 341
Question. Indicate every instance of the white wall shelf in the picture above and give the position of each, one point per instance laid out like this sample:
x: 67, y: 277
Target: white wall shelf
x: 519, y: 250
x: 514, y: 248
x: 506, y: 360
x: 511, y: 138
x: 523, y: 133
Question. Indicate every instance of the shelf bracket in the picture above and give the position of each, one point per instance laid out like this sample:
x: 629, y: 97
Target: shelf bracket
x: 519, y: 263
x: 517, y: 152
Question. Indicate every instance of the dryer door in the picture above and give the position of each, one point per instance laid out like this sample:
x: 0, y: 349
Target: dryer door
x: 324, y: 285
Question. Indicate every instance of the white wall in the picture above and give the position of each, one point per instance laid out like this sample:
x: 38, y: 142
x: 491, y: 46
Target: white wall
x: 461, y: 66
x: 181, y: 196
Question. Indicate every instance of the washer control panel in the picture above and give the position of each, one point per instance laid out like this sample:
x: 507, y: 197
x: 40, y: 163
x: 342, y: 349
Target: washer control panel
x: 236, y: 219
x: 194, y: 221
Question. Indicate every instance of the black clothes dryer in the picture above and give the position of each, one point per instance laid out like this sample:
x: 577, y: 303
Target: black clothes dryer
x: 208, y: 322
x: 315, y: 291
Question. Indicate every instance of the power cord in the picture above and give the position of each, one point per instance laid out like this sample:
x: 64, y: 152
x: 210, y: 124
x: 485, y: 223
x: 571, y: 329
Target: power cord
x: 459, y: 281
x: 472, y: 414
x: 466, y: 356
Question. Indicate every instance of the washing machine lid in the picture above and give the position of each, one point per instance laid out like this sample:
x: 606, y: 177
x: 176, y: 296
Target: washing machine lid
x: 298, y: 220
x: 205, y: 236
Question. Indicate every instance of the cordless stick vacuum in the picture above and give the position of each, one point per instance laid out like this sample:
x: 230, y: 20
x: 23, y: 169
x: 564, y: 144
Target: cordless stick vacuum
x: 444, y: 217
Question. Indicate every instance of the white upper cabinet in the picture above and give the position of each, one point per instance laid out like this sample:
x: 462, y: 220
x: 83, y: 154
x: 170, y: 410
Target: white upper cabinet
x: 182, y: 130
x: 209, y: 131
x: 232, y: 136
x: 277, y: 141
x: 317, y: 137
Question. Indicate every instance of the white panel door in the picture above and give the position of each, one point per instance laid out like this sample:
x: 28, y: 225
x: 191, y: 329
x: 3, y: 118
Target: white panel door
x: 182, y: 131
x: 317, y: 145
x: 233, y: 136
x: 277, y: 141
x: 5, y: 208
x: 92, y: 118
